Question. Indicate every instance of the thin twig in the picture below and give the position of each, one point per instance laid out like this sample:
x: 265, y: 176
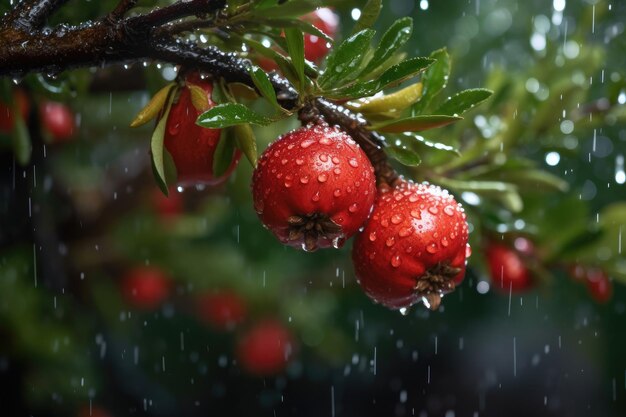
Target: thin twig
x: 121, y: 9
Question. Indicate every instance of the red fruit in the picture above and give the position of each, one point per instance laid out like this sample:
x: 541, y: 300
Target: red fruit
x: 6, y: 111
x: 413, y: 247
x: 599, y: 286
x: 145, y: 287
x: 57, y: 119
x: 265, y: 349
x: 508, y: 272
x: 192, y: 147
x: 167, y: 206
x: 315, y: 48
x: 223, y: 310
x: 313, y: 187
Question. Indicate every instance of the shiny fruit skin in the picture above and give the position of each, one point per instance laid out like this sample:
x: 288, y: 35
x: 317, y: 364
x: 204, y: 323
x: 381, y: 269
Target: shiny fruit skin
x: 6, y: 112
x: 413, y: 228
x: 599, y: 285
x: 507, y: 269
x: 145, y: 287
x: 192, y: 147
x: 314, y: 170
x: 57, y: 119
x: 222, y: 310
x: 315, y: 48
x: 265, y: 349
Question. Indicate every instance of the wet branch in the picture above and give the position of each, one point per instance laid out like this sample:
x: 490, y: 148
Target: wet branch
x: 152, y: 36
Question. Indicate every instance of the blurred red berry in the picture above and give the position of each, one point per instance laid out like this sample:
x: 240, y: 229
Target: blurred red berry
x: 507, y: 269
x: 167, y: 206
x: 6, y: 111
x: 57, y: 119
x: 145, y: 287
x: 223, y: 310
x: 265, y: 349
x: 599, y: 285
x: 316, y: 48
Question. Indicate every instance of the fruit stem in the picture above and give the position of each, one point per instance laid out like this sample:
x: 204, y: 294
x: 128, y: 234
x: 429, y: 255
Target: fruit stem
x: 436, y: 282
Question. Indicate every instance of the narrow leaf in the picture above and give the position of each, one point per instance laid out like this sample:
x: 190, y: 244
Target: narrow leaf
x: 421, y: 141
x: 506, y: 193
x: 154, y: 106
x: 22, y: 146
x: 304, y: 26
x: 246, y: 142
x: 199, y: 97
x: 397, y: 101
x: 369, y: 15
x: 434, y: 79
x: 415, y: 123
x: 463, y: 101
x: 295, y: 47
x: 264, y: 85
x: 393, y: 76
x: 158, y: 151
x: 288, y: 9
x: 223, y: 156
x: 230, y: 114
x: 344, y: 60
x: 404, y: 155
x: 396, y: 36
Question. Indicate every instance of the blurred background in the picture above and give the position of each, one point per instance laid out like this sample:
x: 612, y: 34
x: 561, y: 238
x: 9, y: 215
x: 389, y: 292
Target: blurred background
x: 116, y: 301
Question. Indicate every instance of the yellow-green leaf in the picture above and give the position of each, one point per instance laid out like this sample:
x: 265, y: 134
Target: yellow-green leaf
x: 153, y: 108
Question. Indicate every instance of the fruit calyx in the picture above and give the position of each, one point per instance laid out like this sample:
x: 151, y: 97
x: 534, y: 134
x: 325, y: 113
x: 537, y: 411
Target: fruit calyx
x: 435, y: 283
x: 310, y: 227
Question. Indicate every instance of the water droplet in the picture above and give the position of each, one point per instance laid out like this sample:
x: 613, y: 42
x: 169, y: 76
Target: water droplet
x: 306, y: 143
x: 431, y: 248
x: 174, y: 128
x: 337, y: 171
x: 409, y: 249
x: 323, y: 157
x: 316, y: 196
x: 325, y: 141
x: 413, y: 198
x: 468, y: 251
x: 396, y: 261
x: 299, y: 161
x: 404, y: 311
x: 335, y: 160
x: 372, y: 255
x: 284, y: 161
x: 396, y: 218
x: 337, y: 242
x: 288, y: 184
x: 323, y: 177
x: 353, y: 208
x: 416, y: 214
x: 433, y: 210
x: 404, y: 232
x: 384, y: 223
x: 449, y: 210
x: 353, y: 163
x: 372, y: 236
x: 444, y: 242
x: 390, y: 241
x: 305, y: 179
x: 337, y: 192
x: 291, y: 146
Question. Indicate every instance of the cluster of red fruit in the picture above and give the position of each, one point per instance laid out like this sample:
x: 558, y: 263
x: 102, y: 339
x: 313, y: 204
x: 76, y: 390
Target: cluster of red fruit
x: 263, y: 349
x: 57, y: 120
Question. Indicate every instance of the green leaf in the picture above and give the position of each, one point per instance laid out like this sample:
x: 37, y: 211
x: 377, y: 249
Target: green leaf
x: 421, y: 141
x: 246, y: 142
x: 404, y: 155
x: 288, y: 9
x: 169, y: 168
x: 158, y: 150
x: 223, y: 156
x: 344, y: 60
x: 304, y: 26
x: 395, y: 37
x: 264, y: 85
x: 369, y: 15
x: 434, y: 79
x: 415, y: 123
x: 534, y: 180
x: 295, y: 47
x: 230, y: 114
x: 506, y: 193
x: 393, y: 76
x: 463, y: 101
x: 21, y: 138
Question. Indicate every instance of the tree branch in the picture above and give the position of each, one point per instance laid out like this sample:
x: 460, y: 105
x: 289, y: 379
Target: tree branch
x: 178, y: 10
x: 122, y: 7
x: 32, y: 14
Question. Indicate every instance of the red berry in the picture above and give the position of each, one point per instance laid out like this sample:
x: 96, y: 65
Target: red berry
x: 315, y: 48
x: 57, y: 119
x: 413, y: 247
x: 192, y: 147
x: 265, y: 349
x: 313, y: 187
x: 223, y: 310
x: 6, y: 116
x: 599, y: 286
x: 145, y: 287
x: 508, y: 272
